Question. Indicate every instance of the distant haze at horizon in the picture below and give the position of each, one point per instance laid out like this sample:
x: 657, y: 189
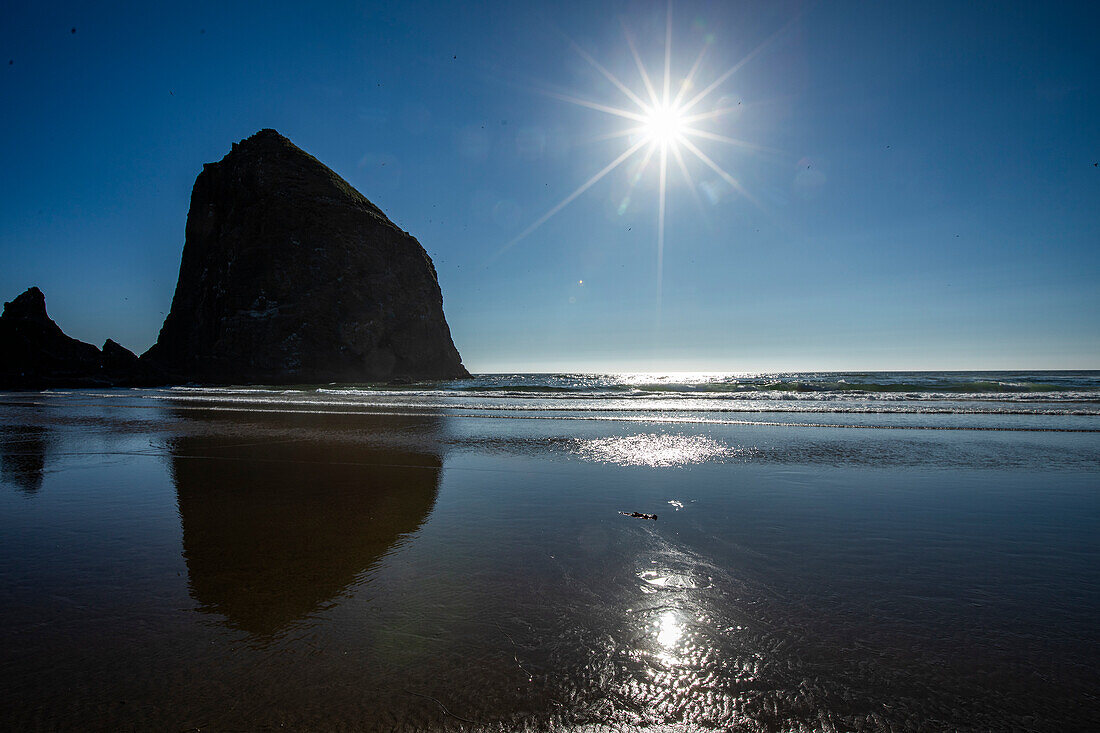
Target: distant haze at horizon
x: 920, y: 192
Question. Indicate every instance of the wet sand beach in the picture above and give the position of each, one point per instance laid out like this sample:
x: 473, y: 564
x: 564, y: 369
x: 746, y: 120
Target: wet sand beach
x: 168, y: 563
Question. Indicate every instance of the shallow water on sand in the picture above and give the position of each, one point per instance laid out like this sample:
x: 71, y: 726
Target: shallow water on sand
x: 173, y: 563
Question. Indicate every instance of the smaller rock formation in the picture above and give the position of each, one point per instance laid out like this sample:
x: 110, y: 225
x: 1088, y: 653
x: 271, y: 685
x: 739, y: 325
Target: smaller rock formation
x: 117, y: 359
x: 35, y: 353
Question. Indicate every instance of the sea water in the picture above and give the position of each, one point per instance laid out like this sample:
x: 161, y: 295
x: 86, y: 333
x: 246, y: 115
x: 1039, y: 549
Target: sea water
x: 874, y: 551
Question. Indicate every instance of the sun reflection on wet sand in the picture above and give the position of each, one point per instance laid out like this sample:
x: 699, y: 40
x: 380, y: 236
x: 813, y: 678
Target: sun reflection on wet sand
x: 665, y: 579
x: 669, y: 630
x: 683, y: 655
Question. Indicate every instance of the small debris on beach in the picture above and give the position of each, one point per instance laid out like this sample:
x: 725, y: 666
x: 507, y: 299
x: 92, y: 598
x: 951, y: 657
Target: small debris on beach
x: 639, y: 515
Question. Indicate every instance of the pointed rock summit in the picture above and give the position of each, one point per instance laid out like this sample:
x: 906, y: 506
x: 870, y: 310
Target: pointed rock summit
x: 290, y: 275
x: 29, y: 308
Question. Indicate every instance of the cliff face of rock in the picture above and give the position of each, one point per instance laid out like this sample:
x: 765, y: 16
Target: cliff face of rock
x: 290, y: 275
x: 36, y: 353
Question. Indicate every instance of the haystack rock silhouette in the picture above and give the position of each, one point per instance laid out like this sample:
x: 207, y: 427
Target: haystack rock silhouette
x: 289, y: 275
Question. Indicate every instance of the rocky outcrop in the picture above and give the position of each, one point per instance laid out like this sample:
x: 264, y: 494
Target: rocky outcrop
x: 36, y: 353
x: 123, y: 367
x: 290, y: 275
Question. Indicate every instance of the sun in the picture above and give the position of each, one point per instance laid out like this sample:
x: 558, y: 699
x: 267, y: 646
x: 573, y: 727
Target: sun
x: 663, y: 125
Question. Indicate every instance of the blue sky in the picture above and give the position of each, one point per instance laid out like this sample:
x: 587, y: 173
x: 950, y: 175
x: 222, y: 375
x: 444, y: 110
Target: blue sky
x: 923, y: 192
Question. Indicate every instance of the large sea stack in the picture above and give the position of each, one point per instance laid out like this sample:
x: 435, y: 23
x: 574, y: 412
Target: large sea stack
x: 291, y: 276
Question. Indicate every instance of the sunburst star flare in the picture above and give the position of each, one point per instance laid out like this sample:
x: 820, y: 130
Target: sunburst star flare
x: 659, y: 126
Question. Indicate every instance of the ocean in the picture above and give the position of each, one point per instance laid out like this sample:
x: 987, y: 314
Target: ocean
x: 832, y: 551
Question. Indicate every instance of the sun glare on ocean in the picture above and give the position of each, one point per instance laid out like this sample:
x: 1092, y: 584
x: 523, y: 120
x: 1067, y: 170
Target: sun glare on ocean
x: 650, y: 449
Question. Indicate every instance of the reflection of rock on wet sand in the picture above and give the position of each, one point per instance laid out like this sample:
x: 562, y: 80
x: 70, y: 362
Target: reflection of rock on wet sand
x: 23, y: 456
x: 276, y: 525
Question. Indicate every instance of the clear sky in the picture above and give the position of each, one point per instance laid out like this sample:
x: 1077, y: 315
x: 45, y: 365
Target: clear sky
x: 921, y: 189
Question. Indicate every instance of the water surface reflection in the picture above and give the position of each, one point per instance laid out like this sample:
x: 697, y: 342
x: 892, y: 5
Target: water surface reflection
x: 23, y: 456
x: 277, y: 527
